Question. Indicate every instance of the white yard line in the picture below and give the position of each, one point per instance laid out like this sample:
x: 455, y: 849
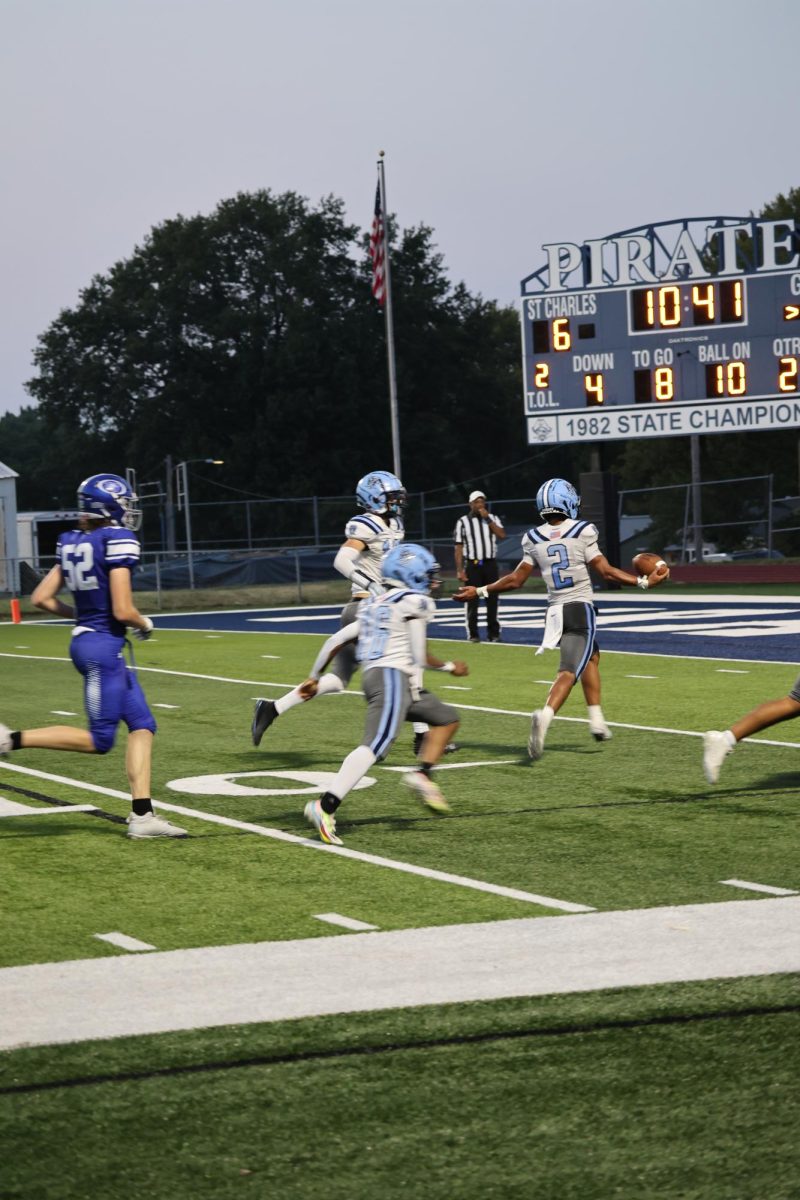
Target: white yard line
x: 344, y: 922
x: 123, y: 941
x: 279, y: 835
x: 759, y: 887
x: 273, y: 981
x: 459, y: 766
x: 480, y: 708
x: 12, y: 808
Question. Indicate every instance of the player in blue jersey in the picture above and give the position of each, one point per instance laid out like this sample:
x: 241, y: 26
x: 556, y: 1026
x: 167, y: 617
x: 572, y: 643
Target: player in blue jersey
x: 95, y: 562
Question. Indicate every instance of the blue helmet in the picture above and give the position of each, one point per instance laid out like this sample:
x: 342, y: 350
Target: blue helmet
x: 412, y: 565
x: 381, y: 492
x: 558, y: 498
x: 109, y: 497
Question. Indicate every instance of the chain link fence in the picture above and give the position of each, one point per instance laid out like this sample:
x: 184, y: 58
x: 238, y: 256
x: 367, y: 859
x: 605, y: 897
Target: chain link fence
x: 291, y: 543
x: 732, y: 519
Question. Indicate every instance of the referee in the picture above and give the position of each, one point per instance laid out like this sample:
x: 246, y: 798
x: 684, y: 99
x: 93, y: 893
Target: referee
x: 476, y: 536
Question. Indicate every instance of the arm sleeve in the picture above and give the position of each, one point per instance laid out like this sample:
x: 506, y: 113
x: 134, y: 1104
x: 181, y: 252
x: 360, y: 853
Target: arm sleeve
x: 528, y: 555
x: 121, y: 549
x: 589, y: 537
x: 346, y: 563
x: 348, y: 634
x: 418, y: 641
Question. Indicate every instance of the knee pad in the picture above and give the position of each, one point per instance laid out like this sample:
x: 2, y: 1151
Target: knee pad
x: 103, y: 739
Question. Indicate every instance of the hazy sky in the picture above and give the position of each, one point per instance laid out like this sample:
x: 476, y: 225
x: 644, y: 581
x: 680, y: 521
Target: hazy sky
x: 506, y: 124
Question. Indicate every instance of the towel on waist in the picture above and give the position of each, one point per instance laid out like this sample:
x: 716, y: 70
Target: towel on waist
x: 553, y: 628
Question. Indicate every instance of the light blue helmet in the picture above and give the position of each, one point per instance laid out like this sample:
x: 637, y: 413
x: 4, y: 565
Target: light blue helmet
x: 411, y: 565
x: 109, y: 497
x: 381, y: 492
x: 557, y: 497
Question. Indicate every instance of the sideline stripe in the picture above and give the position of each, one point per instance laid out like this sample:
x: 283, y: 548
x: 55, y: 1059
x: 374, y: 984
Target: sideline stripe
x: 375, y: 860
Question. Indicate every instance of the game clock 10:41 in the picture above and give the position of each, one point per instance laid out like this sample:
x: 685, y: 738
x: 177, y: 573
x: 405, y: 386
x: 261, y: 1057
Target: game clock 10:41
x: 684, y: 327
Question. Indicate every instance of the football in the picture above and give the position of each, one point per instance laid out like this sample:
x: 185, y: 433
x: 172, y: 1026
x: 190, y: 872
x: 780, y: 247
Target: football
x: 645, y: 563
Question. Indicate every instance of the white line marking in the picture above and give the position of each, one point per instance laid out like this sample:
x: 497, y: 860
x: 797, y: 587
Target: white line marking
x: 453, y: 687
x: 278, y: 835
x: 759, y: 887
x: 459, y: 766
x: 503, y: 712
x: 12, y: 808
x: 123, y: 941
x: 209, y: 636
x: 62, y: 712
x: 730, y: 671
x: 641, y: 677
x: 345, y: 922
x: 166, y: 705
x: 278, y: 981
x: 22, y: 647
x: 278, y: 656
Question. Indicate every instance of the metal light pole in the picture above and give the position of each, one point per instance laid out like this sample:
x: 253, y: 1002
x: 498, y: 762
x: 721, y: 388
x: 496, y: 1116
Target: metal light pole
x: 182, y: 489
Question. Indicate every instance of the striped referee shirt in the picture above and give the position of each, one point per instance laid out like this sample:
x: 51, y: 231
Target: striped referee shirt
x: 475, y: 536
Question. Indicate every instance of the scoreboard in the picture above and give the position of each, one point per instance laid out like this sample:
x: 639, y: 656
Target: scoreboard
x: 683, y: 327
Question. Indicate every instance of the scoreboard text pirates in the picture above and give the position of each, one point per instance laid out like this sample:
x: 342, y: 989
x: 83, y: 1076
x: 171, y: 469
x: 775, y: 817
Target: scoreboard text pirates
x: 688, y: 326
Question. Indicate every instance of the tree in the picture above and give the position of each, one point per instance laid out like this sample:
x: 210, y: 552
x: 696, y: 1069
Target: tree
x: 251, y: 335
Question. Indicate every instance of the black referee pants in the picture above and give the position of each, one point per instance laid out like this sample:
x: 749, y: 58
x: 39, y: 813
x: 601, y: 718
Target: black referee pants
x: 480, y: 573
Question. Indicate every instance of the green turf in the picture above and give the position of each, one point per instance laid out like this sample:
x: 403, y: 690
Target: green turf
x: 578, y: 1105
x: 681, y: 1091
x: 626, y: 824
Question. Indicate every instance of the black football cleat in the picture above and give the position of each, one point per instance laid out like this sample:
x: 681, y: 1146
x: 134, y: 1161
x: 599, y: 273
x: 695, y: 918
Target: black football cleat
x: 265, y: 713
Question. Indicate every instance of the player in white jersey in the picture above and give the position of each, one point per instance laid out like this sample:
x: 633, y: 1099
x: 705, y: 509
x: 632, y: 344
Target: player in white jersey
x: 565, y: 549
x: 369, y: 536
x: 390, y: 633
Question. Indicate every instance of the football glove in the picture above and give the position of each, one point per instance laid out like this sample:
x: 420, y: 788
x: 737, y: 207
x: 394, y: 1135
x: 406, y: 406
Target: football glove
x: 142, y: 635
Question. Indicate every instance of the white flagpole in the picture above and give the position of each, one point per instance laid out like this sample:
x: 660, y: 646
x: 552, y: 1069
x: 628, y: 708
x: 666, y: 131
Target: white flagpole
x: 389, y: 326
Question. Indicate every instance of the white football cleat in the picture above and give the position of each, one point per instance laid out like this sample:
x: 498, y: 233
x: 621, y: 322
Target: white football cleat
x: 715, y: 748
x: 323, y: 822
x: 427, y: 791
x: 5, y: 739
x: 600, y: 731
x: 149, y: 825
x: 536, y: 738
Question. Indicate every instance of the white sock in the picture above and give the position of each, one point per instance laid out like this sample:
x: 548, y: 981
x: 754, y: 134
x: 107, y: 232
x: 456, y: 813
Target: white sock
x: 729, y: 738
x: 284, y: 703
x: 419, y: 727
x: 595, y: 714
x: 328, y: 684
x: 354, y: 767
x: 547, y: 715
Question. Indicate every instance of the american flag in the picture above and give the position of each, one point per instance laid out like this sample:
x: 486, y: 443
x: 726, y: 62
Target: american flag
x: 377, y: 250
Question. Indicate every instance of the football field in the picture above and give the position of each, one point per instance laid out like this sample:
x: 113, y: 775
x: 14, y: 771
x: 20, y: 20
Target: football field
x: 581, y: 983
